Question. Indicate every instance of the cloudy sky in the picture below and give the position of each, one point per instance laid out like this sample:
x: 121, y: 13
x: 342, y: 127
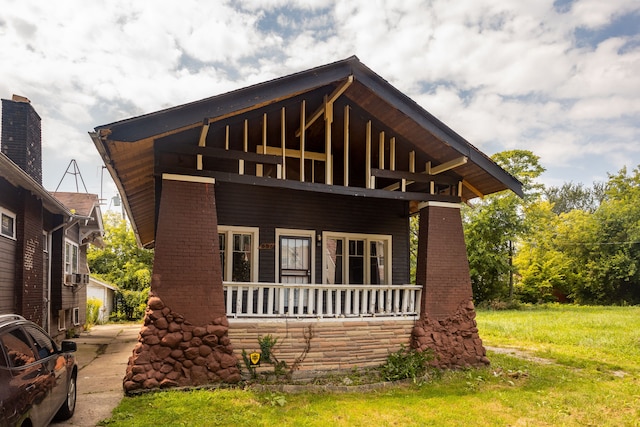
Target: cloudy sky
x: 560, y: 78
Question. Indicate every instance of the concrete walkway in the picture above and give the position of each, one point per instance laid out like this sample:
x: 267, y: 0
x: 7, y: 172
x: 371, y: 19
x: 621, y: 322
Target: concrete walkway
x: 103, y: 354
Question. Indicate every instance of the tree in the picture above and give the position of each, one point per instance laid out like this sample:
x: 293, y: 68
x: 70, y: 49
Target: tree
x: 124, y: 264
x: 613, y: 256
x: 570, y: 196
x: 493, y: 225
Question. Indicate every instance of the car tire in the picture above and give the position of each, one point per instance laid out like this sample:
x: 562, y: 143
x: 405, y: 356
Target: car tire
x: 69, y: 406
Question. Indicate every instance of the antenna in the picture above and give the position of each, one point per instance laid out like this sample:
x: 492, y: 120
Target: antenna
x: 76, y: 173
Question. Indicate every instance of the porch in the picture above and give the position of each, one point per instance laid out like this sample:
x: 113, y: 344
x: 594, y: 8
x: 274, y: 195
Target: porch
x: 287, y: 300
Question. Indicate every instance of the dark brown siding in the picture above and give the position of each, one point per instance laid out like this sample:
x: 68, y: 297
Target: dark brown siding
x: 271, y: 208
x: 8, y: 248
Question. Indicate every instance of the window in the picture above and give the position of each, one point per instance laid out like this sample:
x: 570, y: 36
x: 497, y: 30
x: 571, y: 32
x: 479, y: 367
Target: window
x: 70, y: 257
x: 356, y: 259
x: 62, y: 320
x: 8, y: 224
x: 238, y: 253
x: 76, y: 316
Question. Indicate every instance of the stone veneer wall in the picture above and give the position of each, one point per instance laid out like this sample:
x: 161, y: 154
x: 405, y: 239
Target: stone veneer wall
x: 171, y: 352
x: 454, y: 340
x: 337, y: 344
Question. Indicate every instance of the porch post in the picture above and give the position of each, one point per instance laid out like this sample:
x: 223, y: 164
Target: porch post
x: 447, y: 323
x: 184, y: 340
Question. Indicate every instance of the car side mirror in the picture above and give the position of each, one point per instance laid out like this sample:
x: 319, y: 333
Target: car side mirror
x: 69, y: 346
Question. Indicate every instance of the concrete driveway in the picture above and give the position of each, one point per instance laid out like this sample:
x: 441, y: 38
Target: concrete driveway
x: 103, y: 354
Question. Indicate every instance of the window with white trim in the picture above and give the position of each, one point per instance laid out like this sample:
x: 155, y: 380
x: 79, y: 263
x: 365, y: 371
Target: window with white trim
x: 356, y: 259
x: 7, y: 223
x: 238, y: 253
x: 76, y: 316
x: 62, y: 320
x: 70, y: 257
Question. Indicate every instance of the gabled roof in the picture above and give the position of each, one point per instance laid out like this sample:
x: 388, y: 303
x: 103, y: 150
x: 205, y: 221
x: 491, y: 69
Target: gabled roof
x: 127, y: 146
x: 86, y: 208
x: 84, y: 204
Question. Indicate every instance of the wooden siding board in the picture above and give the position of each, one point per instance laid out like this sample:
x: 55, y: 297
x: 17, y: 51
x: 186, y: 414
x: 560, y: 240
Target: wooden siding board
x: 7, y: 275
x: 271, y: 208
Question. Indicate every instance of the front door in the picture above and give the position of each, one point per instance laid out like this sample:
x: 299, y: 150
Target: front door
x: 295, y: 259
x: 295, y: 268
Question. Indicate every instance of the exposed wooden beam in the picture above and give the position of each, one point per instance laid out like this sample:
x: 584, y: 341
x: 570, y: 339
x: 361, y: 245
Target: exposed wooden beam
x: 451, y: 164
x: 309, y: 186
x: 367, y: 163
x: 328, y: 119
x: 259, y: 167
x: 329, y: 100
x: 473, y: 189
x: 381, y: 150
x: 303, y: 112
x: 296, y: 154
x: 413, y: 177
x: 283, y: 142
x: 392, y: 153
x: 203, y: 141
x: 245, y: 146
x: 221, y: 153
x: 346, y: 145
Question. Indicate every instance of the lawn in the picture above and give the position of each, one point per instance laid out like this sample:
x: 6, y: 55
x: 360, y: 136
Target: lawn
x: 586, y: 371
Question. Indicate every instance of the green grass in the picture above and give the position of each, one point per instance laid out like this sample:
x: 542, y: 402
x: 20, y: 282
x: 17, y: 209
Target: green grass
x: 595, y: 380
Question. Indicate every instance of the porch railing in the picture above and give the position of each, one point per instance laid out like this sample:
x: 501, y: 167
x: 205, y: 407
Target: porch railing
x: 297, y: 300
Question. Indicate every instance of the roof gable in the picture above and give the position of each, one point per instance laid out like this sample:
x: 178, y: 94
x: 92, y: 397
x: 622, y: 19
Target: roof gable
x: 361, y: 130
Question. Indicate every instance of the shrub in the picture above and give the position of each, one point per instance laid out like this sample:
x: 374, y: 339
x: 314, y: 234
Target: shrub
x: 406, y: 363
x: 93, y: 311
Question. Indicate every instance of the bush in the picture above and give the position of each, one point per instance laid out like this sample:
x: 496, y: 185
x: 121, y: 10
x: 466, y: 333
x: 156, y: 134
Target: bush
x: 406, y: 363
x: 93, y: 311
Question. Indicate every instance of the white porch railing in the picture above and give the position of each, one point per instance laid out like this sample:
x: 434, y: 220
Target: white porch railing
x: 298, y: 300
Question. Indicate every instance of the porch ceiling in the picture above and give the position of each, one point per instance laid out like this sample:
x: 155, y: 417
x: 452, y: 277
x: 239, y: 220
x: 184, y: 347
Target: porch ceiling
x: 135, y: 150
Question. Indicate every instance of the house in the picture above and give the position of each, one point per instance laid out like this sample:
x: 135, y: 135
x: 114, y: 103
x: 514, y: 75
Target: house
x: 43, y: 241
x: 283, y: 209
x: 106, y: 294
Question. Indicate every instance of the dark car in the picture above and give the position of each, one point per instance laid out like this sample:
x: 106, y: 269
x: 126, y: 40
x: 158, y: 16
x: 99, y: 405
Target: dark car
x: 37, y: 379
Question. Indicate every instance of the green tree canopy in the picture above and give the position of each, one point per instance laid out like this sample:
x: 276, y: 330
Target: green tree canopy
x: 493, y: 225
x: 121, y: 261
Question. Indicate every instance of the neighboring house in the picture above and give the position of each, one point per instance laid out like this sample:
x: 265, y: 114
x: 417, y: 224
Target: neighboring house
x: 106, y: 294
x: 43, y: 241
x: 283, y: 208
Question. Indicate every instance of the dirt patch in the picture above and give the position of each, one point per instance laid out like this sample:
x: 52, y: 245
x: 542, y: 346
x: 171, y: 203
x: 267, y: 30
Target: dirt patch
x: 521, y: 354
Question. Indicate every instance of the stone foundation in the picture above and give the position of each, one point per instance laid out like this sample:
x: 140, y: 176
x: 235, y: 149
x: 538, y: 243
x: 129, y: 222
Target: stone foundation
x: 336, y: 345
x: 172, y: 352
x: 454, y: 340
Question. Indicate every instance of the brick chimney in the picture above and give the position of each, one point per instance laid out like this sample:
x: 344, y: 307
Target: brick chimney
x: 21, y: 135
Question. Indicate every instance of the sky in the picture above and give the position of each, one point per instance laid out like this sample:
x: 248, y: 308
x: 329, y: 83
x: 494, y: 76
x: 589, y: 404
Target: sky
x: 559, y: 78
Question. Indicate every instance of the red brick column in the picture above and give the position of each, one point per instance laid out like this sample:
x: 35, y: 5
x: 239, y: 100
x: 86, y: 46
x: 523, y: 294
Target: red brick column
x: 184, y: 340
x: 186, y: 268
x: 447, y: 323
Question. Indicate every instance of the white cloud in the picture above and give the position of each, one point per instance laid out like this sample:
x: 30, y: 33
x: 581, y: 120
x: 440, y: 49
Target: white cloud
x: 502, y: 74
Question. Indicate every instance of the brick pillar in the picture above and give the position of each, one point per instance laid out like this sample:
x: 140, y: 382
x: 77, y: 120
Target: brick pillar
x: 187, y: 274
x: 30, y: 264
x: 447, y: 323
x: 184, y: 340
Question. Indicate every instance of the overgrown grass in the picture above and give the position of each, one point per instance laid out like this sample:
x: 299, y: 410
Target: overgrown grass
x: 602, y: 338
x: 595, y: 381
